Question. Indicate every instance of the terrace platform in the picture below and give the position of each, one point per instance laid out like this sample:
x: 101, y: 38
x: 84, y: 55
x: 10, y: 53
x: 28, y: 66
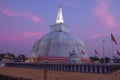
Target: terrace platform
x: 69, y: 67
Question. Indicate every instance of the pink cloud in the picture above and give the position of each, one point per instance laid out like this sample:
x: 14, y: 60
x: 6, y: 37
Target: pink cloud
x: 95, y: 36
x: 22, y: 36
x: 9, y: 13
x: 32, y: 17
x: 104, y: 14
x: 27, y: 15
x: 7, y: 38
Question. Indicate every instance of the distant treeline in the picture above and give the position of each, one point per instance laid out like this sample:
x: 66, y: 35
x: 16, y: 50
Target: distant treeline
x: 12, y: 57
x: 106, y: 59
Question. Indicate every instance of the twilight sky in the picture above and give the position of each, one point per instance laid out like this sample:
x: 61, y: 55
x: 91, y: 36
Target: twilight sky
x: 23, y: 22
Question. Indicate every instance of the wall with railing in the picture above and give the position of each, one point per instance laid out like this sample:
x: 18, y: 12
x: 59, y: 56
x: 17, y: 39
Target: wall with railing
x: 89, y: 68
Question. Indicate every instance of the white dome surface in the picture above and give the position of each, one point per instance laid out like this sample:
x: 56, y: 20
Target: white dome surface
x: 58, y: 44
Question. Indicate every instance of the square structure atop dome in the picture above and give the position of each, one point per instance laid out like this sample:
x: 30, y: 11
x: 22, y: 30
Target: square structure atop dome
x: 59, y: 27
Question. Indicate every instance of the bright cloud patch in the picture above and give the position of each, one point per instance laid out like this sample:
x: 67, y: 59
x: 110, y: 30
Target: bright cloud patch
x: 104, y: 14
x: 95, y: 36
x: 22, y: 36
x: 27, y: 15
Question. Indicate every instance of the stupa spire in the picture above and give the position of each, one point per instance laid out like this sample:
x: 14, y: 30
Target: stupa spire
x: 59, y: 16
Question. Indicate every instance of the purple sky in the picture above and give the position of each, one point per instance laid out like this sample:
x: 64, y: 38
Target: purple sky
x: 23, y: 22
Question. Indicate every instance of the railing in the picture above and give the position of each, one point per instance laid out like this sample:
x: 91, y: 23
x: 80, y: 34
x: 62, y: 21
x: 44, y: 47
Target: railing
x: 89, y: 68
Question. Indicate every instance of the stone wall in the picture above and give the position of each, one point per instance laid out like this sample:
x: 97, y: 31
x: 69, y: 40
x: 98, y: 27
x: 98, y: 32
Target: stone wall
x: 91, y: 68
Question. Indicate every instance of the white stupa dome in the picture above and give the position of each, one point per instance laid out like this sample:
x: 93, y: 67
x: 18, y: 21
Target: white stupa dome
x: 59, y: 42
